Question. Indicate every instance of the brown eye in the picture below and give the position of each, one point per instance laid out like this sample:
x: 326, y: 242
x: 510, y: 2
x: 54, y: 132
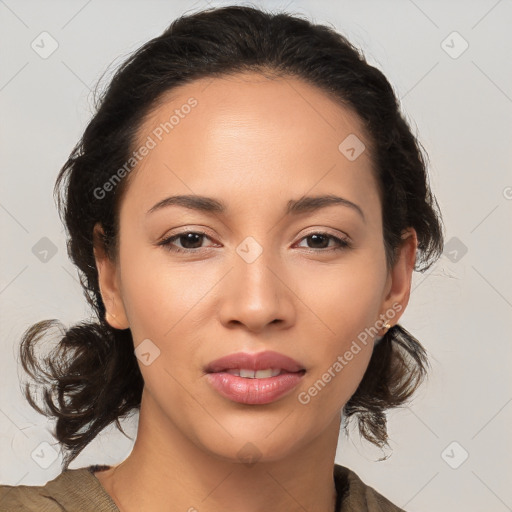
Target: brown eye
x: 190, y: 241
x: 320, y: 241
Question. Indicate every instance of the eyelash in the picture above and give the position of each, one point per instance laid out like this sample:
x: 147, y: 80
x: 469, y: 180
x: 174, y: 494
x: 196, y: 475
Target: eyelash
x: 166, y: 243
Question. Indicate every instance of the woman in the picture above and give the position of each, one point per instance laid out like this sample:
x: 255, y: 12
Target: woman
x: 246, y: 208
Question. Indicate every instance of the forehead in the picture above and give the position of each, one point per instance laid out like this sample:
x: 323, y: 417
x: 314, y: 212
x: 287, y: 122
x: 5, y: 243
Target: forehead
x: 234, y: 102
x: 250, y: 136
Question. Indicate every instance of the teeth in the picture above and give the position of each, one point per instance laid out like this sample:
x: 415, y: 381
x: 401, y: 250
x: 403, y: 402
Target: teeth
x: 251, y: 374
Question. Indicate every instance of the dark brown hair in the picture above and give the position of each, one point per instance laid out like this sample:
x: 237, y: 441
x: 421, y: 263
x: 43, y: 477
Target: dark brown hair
x: 91, y: 378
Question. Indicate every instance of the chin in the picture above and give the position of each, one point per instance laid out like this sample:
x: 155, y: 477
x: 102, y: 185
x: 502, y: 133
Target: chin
x: 250, y: 443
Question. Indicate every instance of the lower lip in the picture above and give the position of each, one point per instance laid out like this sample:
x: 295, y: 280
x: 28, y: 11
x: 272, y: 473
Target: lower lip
x: 254, y: 391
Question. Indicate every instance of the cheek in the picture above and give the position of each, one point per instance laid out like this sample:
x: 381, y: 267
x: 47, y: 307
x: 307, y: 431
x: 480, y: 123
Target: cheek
x: 344, y: 305
x: 160, y: 295
x: 346, y: 298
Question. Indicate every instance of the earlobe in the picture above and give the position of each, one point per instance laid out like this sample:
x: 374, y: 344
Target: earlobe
x: 108, y: 279
x: 400, y: 278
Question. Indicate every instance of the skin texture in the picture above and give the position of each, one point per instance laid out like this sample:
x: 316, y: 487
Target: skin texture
x: 253, y: 143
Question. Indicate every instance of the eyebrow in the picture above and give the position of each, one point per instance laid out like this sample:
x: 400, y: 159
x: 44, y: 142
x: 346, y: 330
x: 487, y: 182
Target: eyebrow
x: 305, y: 204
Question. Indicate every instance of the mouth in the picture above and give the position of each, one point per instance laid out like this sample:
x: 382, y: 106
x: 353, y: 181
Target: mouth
x: 254, y: 379
x: 258, y: 374
x: 246, y: 363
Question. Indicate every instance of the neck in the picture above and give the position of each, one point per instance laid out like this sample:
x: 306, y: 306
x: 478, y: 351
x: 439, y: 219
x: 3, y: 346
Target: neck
x: 167, y: 468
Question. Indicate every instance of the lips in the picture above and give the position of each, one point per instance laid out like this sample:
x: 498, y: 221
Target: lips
x: 255, y: 362
x: 254, y: 379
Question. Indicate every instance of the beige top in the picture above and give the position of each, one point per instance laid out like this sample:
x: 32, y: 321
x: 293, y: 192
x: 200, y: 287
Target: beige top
x: 78, y: 490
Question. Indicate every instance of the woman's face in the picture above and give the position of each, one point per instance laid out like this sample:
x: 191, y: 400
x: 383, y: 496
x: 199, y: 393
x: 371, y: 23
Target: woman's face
x: 264, y: 276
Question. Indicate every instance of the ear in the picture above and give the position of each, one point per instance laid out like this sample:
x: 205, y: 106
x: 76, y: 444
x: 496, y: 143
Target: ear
x: 398, y: 284
x: 108, y: 279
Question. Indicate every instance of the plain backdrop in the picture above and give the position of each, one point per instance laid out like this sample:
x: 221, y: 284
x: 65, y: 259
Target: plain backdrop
x: 449, y: 63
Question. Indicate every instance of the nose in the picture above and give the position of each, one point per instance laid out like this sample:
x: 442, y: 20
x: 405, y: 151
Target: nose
x: 257, y: 295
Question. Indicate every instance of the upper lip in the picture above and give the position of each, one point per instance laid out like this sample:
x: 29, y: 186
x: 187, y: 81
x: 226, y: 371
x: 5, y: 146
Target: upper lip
x: 258, y: 361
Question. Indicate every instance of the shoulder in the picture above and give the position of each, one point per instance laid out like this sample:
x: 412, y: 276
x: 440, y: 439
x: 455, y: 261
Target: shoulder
x: 357, y: 496
x: 74, y: 490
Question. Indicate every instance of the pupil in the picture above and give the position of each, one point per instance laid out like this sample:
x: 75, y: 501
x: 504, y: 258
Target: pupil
x: 189, y: 238
x: 316, y: 237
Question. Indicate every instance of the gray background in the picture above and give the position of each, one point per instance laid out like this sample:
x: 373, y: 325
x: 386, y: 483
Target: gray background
x: 460, y: 102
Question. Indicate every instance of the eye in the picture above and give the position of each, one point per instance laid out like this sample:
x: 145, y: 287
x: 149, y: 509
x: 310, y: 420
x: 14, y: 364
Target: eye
x: 323, y: 239
x: 190, y: 240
